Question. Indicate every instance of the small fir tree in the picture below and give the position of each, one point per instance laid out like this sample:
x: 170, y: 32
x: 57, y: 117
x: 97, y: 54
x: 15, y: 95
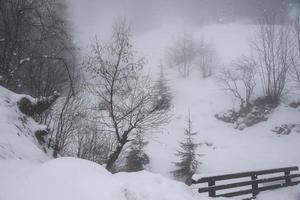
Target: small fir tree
x: 163, y: 97
x: 188, y: 163
x: 137, y: 158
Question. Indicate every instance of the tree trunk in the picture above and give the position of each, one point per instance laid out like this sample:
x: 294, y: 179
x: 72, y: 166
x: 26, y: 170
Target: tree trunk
x: 55, y: 151
x: 113, y: 157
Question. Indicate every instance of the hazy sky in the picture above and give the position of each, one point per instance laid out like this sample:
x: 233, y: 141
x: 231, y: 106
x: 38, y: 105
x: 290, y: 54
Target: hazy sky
x: 91, y: 17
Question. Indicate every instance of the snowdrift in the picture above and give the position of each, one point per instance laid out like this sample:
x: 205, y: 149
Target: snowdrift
x: 77, y: 179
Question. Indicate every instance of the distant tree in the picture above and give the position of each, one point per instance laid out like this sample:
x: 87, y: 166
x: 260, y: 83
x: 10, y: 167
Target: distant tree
x: 163, y: 95
x: 187, y: 53
x: 137, y: 158
x: 207, y: 59
x: 182, y: 54
x: 295, y: 70
x: 188, y: 164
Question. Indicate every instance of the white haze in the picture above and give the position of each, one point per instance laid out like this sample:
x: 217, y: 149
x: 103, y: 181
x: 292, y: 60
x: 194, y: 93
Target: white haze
x: 96, y: 17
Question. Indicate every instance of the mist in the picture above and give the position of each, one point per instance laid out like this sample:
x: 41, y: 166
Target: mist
x: 149, y: 99
x: 96, y: 17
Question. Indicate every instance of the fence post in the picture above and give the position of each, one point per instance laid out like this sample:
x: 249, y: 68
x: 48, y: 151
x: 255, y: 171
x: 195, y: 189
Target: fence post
x: 254, y: 185
x: 287, y: 179
x: 212, y: 192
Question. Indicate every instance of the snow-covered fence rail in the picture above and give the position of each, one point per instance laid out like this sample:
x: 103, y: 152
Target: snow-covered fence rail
x: 257, y: 184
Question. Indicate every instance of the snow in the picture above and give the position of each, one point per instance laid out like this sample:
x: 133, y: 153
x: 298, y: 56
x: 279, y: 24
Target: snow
x: 154, y: 186
x: 255, y: 148
x: 17, y: 140
x: 232, y: 150
x: 26, y: 174
x: 285, y: 193
x: 77, y: 179
x: 24, y: 60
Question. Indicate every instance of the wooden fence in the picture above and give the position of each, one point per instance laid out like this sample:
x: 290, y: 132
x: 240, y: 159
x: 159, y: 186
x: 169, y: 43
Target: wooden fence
x: 285, y: 177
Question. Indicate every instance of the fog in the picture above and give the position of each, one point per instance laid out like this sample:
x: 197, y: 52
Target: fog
x: 96, y: 17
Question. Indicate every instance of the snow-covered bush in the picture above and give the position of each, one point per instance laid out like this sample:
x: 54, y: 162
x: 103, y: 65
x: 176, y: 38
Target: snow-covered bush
x: 256, y: 113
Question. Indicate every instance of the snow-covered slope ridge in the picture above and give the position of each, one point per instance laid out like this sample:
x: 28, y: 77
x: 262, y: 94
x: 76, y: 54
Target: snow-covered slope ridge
x: 17, y: 139
x: 77, y: 179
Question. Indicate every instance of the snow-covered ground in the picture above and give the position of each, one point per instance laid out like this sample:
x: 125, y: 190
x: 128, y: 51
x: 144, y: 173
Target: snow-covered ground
x: 77, y: 179
x: 24, y: 174
x: 227, y: 149
x: 28, y: 173
x: 224, y: 149
x: 232, y: 150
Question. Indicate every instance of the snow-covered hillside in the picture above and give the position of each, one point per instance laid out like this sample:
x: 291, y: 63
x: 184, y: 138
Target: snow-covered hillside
x: 225, y: 149
x: 17, y: 139
x: 27, y: 173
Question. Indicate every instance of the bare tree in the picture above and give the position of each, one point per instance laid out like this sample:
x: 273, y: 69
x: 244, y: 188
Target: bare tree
x: 295, y: 70
x: 125, y: 94
x: 273, y: 51
x: 62, y: 123
x: 92, y: 143
x: 182, y: 54
x: 207, y: 59
x: 240, y: 81
x: 35, y: 47
x: 65, y: 118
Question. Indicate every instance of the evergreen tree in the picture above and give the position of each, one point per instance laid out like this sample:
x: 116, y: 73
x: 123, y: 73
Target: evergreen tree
x: 163, y: 97
x: 137, y: 158
x: 188, y: 163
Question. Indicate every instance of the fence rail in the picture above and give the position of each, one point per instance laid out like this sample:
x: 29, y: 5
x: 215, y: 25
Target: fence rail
x: 287, y: 178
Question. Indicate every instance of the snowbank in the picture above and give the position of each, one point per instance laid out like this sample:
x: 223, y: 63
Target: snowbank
x: 77, y: 179
x: 290, y: 193
x: 146, y: 185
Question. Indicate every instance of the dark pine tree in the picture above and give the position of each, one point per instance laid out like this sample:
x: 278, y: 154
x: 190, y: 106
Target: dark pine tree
x: 137, y: 158
x: 188, y: 163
